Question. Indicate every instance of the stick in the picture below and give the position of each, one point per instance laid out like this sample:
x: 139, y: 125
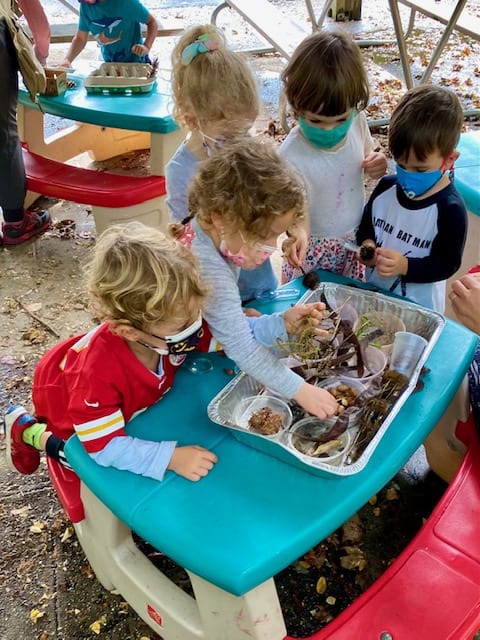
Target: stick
x: 35, y: 317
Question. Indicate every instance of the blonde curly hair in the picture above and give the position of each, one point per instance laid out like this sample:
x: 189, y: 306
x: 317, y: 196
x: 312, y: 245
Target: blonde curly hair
x: 138, y: 277
x: 217, y: 86
x: 248, y: 184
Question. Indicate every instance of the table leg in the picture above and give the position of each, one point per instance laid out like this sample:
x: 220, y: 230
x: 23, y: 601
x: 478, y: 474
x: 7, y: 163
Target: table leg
x: 214, y: 614
x: 163, y: 146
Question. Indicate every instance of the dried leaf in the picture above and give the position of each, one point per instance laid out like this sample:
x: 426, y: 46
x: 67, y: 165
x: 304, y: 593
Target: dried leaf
x: 321, y: 585
x: 68, y: 533
x: 392, y: 494
x: 355, y: 559
x: 34, y: 306
x: 35, y: 614
x: 96, y: 626
x: 37, y: 527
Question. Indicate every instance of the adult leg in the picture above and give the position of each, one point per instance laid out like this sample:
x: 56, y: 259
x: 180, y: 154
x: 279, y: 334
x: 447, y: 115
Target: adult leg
x: 19, y: 225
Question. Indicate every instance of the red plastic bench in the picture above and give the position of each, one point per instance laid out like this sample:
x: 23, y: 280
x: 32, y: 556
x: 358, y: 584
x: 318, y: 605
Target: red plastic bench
x: 432, y: 590
x: 113, y: 197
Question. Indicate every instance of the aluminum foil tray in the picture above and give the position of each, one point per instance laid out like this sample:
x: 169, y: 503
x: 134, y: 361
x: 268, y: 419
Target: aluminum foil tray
x: 120, y: 77
x: 428, y: 324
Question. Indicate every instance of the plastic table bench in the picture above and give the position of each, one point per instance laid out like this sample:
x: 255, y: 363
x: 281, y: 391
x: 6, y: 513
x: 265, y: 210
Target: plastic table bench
x: 247, y: 520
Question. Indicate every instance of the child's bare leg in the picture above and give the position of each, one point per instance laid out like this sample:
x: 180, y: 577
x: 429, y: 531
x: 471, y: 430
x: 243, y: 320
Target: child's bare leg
x: 443, y: 449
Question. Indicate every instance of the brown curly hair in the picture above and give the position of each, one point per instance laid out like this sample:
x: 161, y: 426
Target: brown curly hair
x: 247, y: 184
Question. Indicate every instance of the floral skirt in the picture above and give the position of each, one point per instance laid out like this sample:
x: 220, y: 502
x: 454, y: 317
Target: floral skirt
x: 329, y: 254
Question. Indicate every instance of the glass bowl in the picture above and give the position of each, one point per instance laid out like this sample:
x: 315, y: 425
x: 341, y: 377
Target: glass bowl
x: 272, y: 415
x: 312, y: 427
x: 345, y: 391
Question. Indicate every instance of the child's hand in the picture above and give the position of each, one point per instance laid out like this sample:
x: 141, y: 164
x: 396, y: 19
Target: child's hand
x: 465, y: 299
x: 292, y: 316
x: 368, y: 253
x: 140, y: 50
x: 391, y: 263
x: 295, y: 247
x: 375, y: 164
x: 316, y: 401
x: 251, y: 313
x: 192, y: 462
x: 65, y: 63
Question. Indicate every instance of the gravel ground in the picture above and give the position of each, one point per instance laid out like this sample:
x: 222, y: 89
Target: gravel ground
x: 49, y: 590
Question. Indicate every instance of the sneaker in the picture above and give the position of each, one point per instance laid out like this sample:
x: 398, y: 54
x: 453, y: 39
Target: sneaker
x: 33, y: 224
x: 20, y: 456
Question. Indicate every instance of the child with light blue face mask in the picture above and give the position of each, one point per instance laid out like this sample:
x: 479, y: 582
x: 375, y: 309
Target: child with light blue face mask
x: 326, y: 86
x: 416, y: 218
x: 216, y: 100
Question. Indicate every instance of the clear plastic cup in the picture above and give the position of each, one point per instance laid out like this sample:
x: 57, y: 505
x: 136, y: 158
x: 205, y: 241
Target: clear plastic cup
x: 406, y: 352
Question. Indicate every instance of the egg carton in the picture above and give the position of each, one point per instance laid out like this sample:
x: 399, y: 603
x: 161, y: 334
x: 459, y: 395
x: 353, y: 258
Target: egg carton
x: 120, y: 77
x: 428, y: 324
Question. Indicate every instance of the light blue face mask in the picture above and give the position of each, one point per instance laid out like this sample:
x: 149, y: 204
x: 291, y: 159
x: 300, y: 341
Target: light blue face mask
x: 414, y: 183
x: 326, y: 138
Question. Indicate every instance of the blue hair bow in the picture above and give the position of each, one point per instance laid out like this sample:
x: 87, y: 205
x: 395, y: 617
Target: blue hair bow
x: 203, y: 44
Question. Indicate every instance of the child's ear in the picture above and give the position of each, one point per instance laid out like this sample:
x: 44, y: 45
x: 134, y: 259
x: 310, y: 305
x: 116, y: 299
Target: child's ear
x: 190, y: 120
x: 450, y: 160
x: 125, y: 331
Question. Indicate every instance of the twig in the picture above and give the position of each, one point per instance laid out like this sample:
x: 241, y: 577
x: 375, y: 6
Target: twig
x: 35, y: 317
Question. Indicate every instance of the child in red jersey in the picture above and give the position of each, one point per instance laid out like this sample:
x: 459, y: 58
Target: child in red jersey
x: 146, y: 292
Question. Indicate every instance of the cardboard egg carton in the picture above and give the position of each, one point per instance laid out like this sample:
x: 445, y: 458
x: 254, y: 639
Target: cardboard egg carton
x: 121, y: 77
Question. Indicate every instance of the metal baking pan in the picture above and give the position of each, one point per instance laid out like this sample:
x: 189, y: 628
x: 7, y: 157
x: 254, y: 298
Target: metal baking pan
x: 429, y: 324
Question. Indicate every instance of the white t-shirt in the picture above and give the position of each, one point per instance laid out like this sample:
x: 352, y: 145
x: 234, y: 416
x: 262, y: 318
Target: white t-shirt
x: 334, y: 179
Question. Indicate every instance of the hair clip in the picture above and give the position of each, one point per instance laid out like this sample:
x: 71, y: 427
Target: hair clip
x: 203, y: 44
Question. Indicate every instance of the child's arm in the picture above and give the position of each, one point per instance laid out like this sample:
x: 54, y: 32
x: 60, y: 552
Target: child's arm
x: 77, y: 46
x: 374, y: 162
x: 152, y: 459
x: 465, y: 299
x: 269, y: 328
x: 152, y: 30
x: 447, y: 247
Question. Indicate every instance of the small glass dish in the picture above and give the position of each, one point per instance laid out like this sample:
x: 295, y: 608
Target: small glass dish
x: 199, y: 365
x: 264, y: 415
x: 346, y: 391
x: 331, y: 451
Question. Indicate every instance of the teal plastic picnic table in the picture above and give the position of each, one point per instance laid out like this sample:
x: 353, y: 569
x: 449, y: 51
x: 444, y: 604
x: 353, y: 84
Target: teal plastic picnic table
x: 106, y: 125
x: 250, y: 517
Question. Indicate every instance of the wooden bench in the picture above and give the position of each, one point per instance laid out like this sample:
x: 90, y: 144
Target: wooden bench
x: 114, y: 198
x: 454, y: 20
x: 281, y: 32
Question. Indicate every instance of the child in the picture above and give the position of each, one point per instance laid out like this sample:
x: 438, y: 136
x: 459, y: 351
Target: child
x: 443, y: 448
x: 416, y: 218
x: 326, y: 85
x: 142, y: 286
x: 116, y: 25
x: 244, y: 197
x: 147, y: 292
x: 216, y: 98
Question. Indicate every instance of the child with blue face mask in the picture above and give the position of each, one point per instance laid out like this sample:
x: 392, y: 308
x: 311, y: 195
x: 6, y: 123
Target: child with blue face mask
x: 326, y: 85
x: 216, y: 100
x: 416, y: 219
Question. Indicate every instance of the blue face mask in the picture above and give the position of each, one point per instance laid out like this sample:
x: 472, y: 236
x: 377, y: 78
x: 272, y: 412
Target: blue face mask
x: 325, y: 138
x: 415, y: 183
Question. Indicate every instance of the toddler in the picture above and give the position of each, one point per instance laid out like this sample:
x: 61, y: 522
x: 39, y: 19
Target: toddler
x: 146, y: 291
x: 416, y: 218
x: 243, y: 198
x: 331, y: 148
x: 216, y: 99
x: 116, y: 25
